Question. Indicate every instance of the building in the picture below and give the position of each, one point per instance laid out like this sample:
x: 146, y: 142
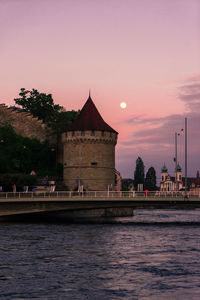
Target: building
x: 169, y: 183
x: 193, y: 184
x: 89, y: 151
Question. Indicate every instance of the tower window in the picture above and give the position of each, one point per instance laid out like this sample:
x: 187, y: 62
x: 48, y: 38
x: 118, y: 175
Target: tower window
x: 110, y: 134
x: 82, y: 132
x: 93, y: 163
x: 92, y: 132
x: 102, y: 133
x: 72, y: 133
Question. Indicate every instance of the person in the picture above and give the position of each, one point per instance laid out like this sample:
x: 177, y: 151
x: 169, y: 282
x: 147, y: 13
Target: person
x: 26, y: 188
x: 14, y: 188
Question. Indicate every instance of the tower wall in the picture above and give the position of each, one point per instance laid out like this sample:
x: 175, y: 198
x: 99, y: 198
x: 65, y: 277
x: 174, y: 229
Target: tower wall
x: 89, y: 159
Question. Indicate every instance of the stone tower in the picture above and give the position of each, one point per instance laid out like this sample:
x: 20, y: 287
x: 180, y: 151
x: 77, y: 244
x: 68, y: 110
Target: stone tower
x: 89, y: 152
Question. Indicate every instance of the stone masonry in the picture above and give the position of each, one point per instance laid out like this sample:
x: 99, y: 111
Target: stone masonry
x: 89, y: 152
x: 24, y: 123
x: 89, y: 160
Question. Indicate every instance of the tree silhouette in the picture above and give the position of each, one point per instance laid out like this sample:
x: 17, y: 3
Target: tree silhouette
x: 139, y: 173
x: 150, y: 180
x: 40, y: 105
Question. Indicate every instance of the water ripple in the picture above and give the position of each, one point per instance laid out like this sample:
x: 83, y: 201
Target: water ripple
x: 154, y: 255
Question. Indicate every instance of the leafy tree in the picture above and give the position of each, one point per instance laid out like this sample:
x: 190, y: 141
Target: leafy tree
x: 40, y: 105
x: 139, y: 173
x: 63, y: 119
x: 20, y: 180
x: 150, y: 180
x: 127, y: 184
x: 22, y: 155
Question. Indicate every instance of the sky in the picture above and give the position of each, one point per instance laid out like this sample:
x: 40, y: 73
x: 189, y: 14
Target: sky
x: 142, y: 52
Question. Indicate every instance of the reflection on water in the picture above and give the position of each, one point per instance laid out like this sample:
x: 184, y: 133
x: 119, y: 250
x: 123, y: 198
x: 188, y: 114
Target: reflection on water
x: 153, y: 255
x: 150, y: 216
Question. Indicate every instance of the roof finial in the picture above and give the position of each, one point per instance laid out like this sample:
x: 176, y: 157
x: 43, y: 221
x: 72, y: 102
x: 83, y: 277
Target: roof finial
x: 89, y: 93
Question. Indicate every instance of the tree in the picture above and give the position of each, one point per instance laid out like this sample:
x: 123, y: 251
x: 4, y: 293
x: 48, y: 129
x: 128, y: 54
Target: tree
x: 63, y: 119
x: 139, y: 173
x: 20, y: 180
x: 22, y: 155
x: 150, y: 180
x: 40, y: 105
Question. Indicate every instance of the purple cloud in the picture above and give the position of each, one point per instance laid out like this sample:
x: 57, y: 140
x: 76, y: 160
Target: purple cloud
x: 155, y: 141
x: 190, y: 95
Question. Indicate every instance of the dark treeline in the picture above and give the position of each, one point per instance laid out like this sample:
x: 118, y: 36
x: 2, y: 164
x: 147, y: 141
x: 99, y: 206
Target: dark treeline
x: 147, y: 182
x: 20, y: 155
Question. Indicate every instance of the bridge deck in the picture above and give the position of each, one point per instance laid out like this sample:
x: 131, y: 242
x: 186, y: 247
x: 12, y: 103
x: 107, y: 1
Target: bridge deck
x: 99, y: 195
x: 26, y: 203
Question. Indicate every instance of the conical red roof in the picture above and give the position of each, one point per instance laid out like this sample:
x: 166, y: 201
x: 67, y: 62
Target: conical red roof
x: 90, y: 119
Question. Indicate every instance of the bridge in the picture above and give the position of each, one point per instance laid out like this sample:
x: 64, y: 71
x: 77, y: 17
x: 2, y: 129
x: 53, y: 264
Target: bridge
x: 31, y: 203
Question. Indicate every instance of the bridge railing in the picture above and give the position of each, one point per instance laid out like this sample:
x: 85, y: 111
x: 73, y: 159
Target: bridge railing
x: 99, y: 194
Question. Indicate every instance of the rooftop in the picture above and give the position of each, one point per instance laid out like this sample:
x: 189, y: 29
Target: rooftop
x: 90, y: 119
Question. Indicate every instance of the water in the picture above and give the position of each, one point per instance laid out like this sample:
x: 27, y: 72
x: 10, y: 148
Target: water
x: 154, y: 255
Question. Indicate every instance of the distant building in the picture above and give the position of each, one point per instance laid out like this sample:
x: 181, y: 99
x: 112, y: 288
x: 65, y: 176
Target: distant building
x: 169, y: 183
x: 89, y: 151
x: 193, y: 184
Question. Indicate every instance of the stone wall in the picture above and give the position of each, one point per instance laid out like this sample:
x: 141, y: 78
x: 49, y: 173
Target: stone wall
x: 25, y: 124
x: 89, y: 159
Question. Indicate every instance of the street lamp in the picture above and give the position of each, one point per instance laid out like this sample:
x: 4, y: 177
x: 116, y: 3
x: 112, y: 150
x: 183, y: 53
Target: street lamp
x: 176, y: 159
x: 54, y: 150
x: 185, y: 157
x: 176, y: 181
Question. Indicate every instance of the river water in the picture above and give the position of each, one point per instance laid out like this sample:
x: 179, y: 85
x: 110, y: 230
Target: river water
x: 153, y: 255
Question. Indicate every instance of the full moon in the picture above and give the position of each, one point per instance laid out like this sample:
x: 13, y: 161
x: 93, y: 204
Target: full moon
x: 123, y: 104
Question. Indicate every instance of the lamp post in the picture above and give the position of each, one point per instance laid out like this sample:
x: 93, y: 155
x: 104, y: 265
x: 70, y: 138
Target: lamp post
x: 176, y: 158
x: 176, y: 179
x: 80, y: 187
x: 56, y: 164
x: 185, y: 157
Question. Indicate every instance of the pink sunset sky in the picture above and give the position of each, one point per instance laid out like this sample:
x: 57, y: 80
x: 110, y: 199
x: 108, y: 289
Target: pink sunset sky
x: 143, y: 52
